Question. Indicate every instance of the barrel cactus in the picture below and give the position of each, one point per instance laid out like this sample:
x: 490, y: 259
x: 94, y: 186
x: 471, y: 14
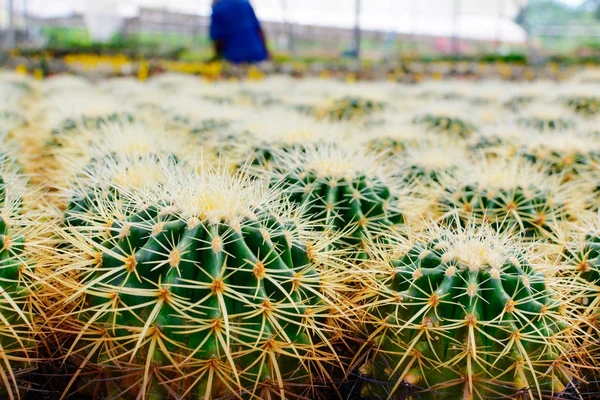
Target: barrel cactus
x: 581, y: 261
x: 516, y: 103
x: 425, y: 163
x: 386, y: 145
x: 112, y: 146
x: 343, y: 190
x: 264, y: 137
x: 497, y: 141
x: 580, y: 266
x: 448, y: 124
x: 10, y: 120
x: 570, y: 154
x: 23, y: 244
x: 584, y: 105
x: 593, y: 199
x: 462, y: 313
x: 391, y: 138
x: 509, y: 195
x: 546, y: 117
x: 351, y: 107
x: 70, y: 125
x: 205, y: 286
x: 119, y: 176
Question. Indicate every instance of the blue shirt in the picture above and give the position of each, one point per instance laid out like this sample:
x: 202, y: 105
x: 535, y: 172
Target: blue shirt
x: 234, y: 23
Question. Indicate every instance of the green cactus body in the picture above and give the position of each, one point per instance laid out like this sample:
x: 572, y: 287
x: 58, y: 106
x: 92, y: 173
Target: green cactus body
x: 387, y: 146
x: 84, y: 122
x: 200, y: 127
x: 202, y: 295
x: 71, y: 129
x: 507, y: 195
x: 517, y: 102
x: 210, y: 125
x: 524, y: 208
x: 563, y: 160
x: 118, y: 176
x: 261, y: 98
x: 348, y: 108
x: 123, y: 154
x: 497, y: 142
x: 584, y: 105
x: 560, y: 162
x: 427, y: 164
x: 262, y: 156
x: 17, y: 312
x: 260, y: 147
x: 486, y: 143
x: 445, y: 124
x: 593, y: 201
x: 422, y: 174
x: 580, y: 264
x: 304, y: 109
x: 542, y: 124
x: 10, y: 120
x: 339, y: 197
x: 582, y: 261
x: 455, y: 312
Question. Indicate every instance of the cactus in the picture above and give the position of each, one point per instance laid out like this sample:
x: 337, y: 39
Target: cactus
x: 389, y: 137
x: 517, y: 102
x: 546, y: 124
x: 201, y: 118
x: 73, y: 126
x: 570, y: 155
x: 203, y: 286
x: 10, y: 120
x: 165, y: 278
x: 427, y: 162
x: 264, y: 138
x: 351, y: 107
x: 593, y: 200
x: 22, y: 244
x: 89, y: 193
x: 261, y: 98
x: 392, y: 133
x: 509, y: 195
x: 386, y: 145
x: 580, y: 260
x: 579, y: 263
x: 462, y: 313
x: 210, y: 125
x: 114, y: 147
x: 343, y: 190
x: 498, y: 141
x: 546, y: 117
x: 487, y: 143
x: 584, y: 105
x: 453, y: 126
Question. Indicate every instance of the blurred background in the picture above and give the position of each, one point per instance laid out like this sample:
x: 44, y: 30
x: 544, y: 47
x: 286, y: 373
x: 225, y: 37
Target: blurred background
x: 315, y: 27
x: 531, y: 31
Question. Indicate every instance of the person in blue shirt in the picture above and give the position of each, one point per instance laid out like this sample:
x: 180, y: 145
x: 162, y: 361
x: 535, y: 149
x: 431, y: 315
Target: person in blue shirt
x: 236, y: 32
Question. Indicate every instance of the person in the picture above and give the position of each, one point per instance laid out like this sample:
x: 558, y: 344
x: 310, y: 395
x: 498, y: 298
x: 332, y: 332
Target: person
x: 236, y: 32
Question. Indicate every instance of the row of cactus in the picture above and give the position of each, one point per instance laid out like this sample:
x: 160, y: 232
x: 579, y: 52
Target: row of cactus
x: 298, y: 239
